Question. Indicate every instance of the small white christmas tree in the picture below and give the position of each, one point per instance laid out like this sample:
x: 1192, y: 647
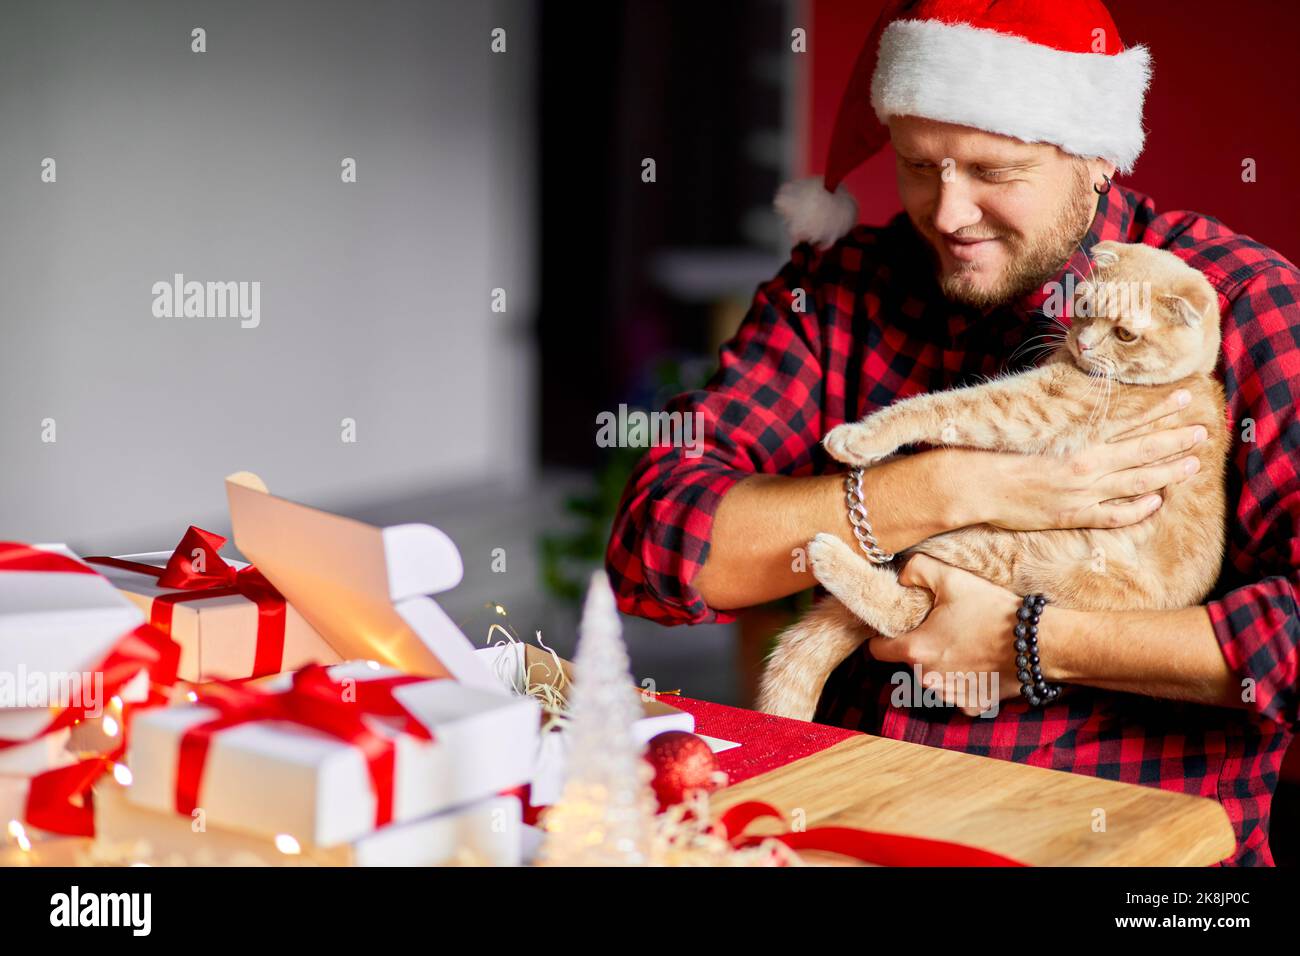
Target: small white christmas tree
x: 606, y: 812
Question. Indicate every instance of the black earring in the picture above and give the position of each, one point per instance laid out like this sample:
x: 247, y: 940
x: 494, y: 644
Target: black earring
x: 1102, y: 192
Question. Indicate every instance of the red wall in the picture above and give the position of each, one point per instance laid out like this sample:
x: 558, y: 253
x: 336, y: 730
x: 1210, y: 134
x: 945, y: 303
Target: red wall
x: 1224, y: 88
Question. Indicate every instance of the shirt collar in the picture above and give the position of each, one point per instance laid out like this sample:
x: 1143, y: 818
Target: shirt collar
x: 1113, y: 221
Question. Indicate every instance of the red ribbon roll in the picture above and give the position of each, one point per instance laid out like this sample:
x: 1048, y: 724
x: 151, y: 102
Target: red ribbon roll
x: 882, y: 849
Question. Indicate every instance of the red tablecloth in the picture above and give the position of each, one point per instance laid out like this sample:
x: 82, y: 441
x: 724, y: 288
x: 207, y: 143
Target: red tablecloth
x: 766, y: 742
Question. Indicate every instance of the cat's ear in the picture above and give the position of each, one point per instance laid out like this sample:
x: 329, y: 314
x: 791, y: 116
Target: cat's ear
x: 1104, y: 254
x: 1184, y: 310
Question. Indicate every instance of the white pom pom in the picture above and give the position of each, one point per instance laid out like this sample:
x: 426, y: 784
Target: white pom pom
x: 814, y: 215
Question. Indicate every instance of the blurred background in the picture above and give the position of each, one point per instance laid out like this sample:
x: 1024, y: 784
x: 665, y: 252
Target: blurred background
x: 516, y: 169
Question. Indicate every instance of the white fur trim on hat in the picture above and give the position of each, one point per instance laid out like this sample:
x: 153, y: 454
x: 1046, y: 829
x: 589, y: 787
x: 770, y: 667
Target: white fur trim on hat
x: 814, y: 215
x: 1089, y: 104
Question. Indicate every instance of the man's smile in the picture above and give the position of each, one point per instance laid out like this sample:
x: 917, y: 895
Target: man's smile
x: 968, y: 250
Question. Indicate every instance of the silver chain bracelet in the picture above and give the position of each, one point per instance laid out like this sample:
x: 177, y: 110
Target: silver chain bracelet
x: 858, y: 518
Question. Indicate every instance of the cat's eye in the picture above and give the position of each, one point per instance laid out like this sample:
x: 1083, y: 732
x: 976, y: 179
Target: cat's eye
x: 1124, y: 335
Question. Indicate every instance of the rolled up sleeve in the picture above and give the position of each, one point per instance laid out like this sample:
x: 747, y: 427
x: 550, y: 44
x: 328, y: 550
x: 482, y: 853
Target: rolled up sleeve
x: 760, y: 413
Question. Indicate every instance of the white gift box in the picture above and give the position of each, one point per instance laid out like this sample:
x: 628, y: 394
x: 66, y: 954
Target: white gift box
x: 488, y: 833
x: 44, y: 753
x: 273, y: 777
x: 365, y: 589
x: 54, y: 628
x: 507, y: 661
x: 217, y: 635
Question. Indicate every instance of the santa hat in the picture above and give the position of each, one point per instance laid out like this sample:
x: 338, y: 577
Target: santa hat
x: 1042, y: 72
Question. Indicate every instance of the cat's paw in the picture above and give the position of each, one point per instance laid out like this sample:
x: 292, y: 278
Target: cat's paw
x: 833, y: 561
x: 858, y: 443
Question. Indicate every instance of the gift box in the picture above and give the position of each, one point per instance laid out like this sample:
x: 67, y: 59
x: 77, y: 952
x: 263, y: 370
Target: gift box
x: 229, y: 622
x: 365, y: 589
x: 44, y: 753
x: 517, y: 664
x: 486, y: 833
x: 59, y: 622
x: 445, y: 744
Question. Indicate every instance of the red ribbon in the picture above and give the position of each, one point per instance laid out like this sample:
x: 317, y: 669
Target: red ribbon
x: 882, y: 849
x: 313, y: 700
x: 214, y: 578
x: 15, y: 556
x: 60, y: 800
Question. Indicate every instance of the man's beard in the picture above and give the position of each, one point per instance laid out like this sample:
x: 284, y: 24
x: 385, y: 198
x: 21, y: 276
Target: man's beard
x: 1029, y: 267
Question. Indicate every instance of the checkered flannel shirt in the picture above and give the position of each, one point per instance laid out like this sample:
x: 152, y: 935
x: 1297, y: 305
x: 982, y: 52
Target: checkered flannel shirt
x: 875, y: 328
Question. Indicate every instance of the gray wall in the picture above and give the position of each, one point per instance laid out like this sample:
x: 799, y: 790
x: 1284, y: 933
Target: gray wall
x: 225, y: 165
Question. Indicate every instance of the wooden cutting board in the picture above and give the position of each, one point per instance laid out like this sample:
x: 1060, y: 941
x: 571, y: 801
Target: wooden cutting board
x: 1037, y: 816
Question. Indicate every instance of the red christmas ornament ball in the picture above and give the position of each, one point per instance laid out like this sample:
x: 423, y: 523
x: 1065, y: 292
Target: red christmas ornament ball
x: 683, y: 763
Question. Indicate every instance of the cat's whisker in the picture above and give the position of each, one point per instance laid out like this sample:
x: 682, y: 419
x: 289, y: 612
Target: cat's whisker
x: 1045, y: 341
x: 1057, y: 320
x: 1086, y: 258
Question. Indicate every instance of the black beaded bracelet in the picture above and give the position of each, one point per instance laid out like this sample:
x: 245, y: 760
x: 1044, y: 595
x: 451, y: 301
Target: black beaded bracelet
x: 1028, y: 669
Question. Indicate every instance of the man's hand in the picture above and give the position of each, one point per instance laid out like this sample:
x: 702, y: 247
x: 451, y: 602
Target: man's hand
x: 1169, y: 654
x: 1106, y: 485
x: 968, y: 631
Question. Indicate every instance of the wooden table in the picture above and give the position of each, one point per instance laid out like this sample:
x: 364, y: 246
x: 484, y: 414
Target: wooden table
x: 1037, y: 816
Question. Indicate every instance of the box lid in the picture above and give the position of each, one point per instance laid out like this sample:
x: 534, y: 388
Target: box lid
x: 364, y: 589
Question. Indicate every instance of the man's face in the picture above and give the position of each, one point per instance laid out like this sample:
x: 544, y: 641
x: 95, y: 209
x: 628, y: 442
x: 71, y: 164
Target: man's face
x: 1002, y: 216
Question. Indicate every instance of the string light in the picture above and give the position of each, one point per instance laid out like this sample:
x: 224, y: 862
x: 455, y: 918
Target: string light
x: 287, y: 845
x: 19, y: 834
x: 122, y: 774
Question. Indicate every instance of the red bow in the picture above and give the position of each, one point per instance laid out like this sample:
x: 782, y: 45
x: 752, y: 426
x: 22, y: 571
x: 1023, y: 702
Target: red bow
x: 313, y: 700
x: 882, y: 849
x: 60, y: 800
x: 198, y: 572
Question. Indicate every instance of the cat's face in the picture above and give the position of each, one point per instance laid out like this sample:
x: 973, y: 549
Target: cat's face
x: 1144, y: 316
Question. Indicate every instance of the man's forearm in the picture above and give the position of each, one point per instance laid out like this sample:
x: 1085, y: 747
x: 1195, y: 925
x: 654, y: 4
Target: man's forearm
x: 1169, y: 654
x: 764, y: 521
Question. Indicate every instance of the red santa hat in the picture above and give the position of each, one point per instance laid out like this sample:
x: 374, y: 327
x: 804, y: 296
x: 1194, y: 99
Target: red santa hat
x: 1042, y: 71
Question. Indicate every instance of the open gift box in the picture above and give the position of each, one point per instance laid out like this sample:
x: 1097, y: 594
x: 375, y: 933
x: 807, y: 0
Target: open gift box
x: 365, y: 590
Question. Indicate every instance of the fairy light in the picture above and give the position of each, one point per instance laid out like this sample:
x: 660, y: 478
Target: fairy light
x: 19, y: 834
x: 122, y: 774
x: 192, y: 697
x: 287, y: 845
x: 110, y: 726
x: 374, y: 665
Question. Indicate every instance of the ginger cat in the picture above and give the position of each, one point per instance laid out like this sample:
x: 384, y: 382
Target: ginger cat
x: 1145, y: 325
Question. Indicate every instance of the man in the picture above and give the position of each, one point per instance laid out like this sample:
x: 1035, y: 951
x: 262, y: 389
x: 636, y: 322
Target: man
x: 1008, y: 120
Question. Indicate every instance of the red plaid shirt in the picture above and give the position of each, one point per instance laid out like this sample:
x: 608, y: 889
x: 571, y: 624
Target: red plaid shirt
x: 876, y: 328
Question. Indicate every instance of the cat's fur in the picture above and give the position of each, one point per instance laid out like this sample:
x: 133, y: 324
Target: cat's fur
x: 1170, y: 559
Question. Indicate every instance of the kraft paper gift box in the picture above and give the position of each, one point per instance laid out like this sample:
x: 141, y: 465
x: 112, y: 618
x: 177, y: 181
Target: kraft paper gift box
x: 218, y: 635
x: 487, y: 833
x: 56, y: 626
x: 274, y: 777
x: 512, y: 662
